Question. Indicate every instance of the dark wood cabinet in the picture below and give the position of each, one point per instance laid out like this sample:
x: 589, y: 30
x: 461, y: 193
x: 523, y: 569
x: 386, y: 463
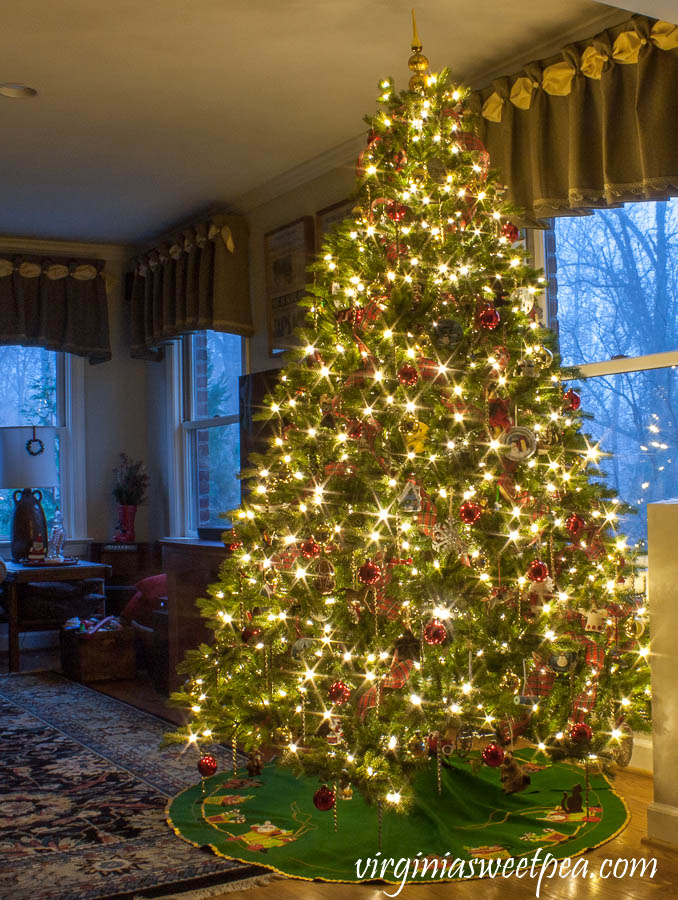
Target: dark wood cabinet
x: 129, y: 564
x: 190, y: 567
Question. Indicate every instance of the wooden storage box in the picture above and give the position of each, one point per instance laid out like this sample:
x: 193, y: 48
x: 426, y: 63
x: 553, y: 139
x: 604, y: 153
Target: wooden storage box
x: 103, y: 656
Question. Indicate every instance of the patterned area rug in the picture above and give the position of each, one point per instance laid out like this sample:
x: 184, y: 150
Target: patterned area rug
x: 84, y: 785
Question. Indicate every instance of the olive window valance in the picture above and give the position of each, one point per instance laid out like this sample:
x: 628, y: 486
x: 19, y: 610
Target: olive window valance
x: 58, y: 304
x: 595, y: 126
x: 192, y: 280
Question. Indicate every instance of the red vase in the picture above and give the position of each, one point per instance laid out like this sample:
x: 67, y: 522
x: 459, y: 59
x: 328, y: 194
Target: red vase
x: 125, y: 529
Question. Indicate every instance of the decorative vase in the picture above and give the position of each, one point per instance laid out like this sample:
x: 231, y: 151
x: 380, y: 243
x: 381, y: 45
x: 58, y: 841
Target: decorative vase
x: 125, y: 531
x: 28, y: 525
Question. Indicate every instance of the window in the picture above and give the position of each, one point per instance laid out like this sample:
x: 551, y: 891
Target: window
x: 209, y: 451
x: 617, y: 314
x: 31, y: 387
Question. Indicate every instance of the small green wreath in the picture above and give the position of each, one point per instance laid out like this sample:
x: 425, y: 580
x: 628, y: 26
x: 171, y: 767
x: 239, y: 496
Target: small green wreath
x: 34, y: 446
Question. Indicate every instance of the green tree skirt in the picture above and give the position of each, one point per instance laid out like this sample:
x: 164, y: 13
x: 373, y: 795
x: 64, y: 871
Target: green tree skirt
x: 271, y: 821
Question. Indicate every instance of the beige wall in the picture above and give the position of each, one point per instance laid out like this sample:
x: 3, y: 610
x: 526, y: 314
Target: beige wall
x: 115, y: 418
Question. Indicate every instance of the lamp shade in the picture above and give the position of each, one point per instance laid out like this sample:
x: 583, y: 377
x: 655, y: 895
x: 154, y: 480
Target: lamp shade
x: 24, y: 464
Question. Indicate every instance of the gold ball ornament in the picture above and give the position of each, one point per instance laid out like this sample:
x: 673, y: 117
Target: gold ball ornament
x: 271, y: 577
x: 510, y: 681
x: 281, y: 737
x: 479, y: 561
x: 417, y: 746
x: 543, y: 357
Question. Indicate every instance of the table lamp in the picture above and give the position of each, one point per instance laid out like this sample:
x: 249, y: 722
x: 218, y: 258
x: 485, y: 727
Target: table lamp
x: 27, y: 461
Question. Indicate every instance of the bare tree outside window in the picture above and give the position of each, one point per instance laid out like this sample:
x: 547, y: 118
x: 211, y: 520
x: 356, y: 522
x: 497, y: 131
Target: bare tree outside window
x: 216, y: 366
x: 617, y: 288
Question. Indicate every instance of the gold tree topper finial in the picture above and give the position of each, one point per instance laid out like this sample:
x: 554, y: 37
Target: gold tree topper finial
x: 416, y: 43
x: 417, y: 63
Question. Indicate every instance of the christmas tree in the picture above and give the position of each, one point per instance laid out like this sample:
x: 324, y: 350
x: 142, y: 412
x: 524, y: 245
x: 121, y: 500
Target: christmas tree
x: 426, y: 561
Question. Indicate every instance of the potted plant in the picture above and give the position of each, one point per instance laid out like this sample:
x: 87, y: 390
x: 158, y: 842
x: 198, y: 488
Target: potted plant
x: 129, y: 490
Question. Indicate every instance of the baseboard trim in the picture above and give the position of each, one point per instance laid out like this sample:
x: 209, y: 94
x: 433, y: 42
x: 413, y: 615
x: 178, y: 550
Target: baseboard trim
x: 662, y: 823
x: 30, y: 640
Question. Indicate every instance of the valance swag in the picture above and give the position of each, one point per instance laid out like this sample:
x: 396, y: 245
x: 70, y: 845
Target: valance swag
x: 193, y: 280
x: 57, y: 304
x: 595, y: 126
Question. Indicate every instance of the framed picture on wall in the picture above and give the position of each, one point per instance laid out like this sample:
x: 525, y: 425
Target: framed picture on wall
x: 287, y: 252
x: 326, y: 219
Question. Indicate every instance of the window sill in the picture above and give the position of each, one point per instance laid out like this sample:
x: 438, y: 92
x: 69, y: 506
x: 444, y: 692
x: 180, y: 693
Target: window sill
x: 190, y: 542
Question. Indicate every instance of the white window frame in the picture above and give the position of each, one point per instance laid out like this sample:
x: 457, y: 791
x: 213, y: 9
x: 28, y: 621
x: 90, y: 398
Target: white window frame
x: 180, y: 429
x: 73, y: 447
x: 70, y: 385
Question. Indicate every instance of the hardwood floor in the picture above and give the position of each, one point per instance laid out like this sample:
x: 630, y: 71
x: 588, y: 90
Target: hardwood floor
x: 137, y: 692
x: 142, y: 694
x: 634, y: 788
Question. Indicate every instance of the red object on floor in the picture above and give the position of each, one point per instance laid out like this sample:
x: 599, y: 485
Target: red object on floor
x: 149, y: 591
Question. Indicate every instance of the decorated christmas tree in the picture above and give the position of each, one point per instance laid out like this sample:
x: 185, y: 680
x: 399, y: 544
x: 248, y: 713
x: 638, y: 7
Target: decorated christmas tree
x: 426, y: 561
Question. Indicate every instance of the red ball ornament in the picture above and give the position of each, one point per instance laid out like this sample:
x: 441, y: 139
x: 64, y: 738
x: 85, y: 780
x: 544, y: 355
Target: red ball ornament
x: 488, y: 317
x: 510, y: 232
x: 324, y: 798
x: 369, y: 572
x: 581, y: 733
x: 575, y: 525
x: 493, y: 755
x: 470, y: 512
x: 395, y: 211
x: 207, y: 766
x: 248, y: 633
x: 537, y: 571
x: 435, y: 632
x: 233, y: 542
x: 571, y: 400
x: 407, y: 374
x: 339, y: 692
x: 309, y: 549
x: 355, y: 430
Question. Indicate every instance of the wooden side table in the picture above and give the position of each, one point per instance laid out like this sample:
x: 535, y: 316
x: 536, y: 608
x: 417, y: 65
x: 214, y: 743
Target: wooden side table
x: 19, y: 574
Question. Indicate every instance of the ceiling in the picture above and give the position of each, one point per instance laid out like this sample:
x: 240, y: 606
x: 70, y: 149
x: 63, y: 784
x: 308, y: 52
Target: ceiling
x: 148, y: 113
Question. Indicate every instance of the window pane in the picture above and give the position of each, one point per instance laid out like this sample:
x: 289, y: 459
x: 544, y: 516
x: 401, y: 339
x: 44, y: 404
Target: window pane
x: 617, y: 281
x: 636, y: 420
x: 217, y: 455
x: 28, y: 386
x: 217, y: 363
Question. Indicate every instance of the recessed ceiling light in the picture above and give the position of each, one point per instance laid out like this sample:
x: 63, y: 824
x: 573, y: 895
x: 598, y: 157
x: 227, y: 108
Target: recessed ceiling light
x: 17, y: 91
